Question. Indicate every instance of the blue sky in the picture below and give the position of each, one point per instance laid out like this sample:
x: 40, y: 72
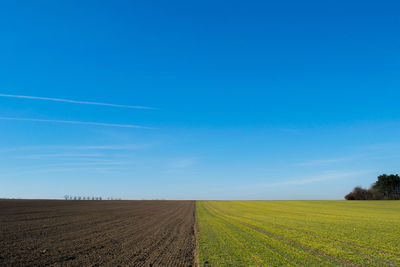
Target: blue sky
x: 246, y: 99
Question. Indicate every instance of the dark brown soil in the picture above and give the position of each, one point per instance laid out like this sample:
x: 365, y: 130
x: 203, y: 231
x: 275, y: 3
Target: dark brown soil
x: 92, y: 233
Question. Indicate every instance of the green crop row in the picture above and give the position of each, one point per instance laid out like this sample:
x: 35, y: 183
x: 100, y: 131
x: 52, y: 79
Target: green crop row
x: 299, y: 233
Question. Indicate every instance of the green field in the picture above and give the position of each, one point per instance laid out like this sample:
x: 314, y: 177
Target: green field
x: 292, y: 233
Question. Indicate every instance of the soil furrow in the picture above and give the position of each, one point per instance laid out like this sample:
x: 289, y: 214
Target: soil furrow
x: 102, y: 233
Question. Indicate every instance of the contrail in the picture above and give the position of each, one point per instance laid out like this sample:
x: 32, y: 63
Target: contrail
x: 80, y: 122
x: 74, y: 101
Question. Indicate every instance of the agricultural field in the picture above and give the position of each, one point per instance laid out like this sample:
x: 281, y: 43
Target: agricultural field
x: 96, y: 233
x: 293, y: 233
x: 202, y: 233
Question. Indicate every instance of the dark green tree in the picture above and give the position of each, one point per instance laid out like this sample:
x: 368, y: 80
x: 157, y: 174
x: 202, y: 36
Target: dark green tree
x: 387, y: 186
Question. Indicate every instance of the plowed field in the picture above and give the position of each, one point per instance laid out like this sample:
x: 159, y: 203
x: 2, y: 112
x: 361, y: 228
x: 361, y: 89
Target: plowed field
x: 90, y: 233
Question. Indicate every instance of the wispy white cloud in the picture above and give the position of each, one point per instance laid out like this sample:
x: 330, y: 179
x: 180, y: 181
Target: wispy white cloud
x: 108, y: 147
x: 58, y: 156
x: 382, y: 146
x: 74, y: 101
x: 177, y: 166
x: 318, y: 178
x: 69, y: 169
x: 92, y: 163
x: 290, y: 130
x: 182, y: 163
x: 77, y: 147
x: 315, y: 162
x: 80, y: 123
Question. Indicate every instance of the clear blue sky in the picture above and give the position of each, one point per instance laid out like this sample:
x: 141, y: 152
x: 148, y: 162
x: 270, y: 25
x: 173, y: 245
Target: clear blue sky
x: 253, y: 99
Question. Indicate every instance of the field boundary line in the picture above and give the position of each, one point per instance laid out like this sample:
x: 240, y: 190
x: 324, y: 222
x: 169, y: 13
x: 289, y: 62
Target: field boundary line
x: 196, y: 238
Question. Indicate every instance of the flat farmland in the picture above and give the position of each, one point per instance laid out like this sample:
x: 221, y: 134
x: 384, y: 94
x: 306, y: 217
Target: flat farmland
x: 90, y: 233
x: 227, y: 233
x: 299, y: 233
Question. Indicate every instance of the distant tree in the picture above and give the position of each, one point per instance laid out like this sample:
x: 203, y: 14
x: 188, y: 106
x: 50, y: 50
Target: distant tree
x: 350, y: 196
x: 66, y: 197
x: 386, y: 187
x: 359, y: 193
x: 74, y: 197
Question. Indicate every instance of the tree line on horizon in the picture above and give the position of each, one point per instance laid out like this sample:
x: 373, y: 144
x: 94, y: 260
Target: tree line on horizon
x: 68, y: 197
x: 387, y: 187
